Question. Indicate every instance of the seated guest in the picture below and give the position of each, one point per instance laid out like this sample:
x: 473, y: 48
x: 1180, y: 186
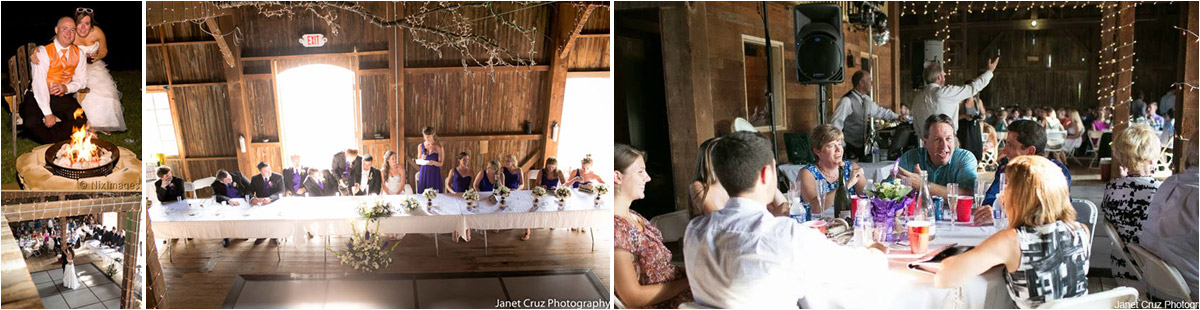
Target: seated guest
x: 168, y: 187
x: 1156, y: 121
x: 706, y: 195
x: 460, y: 177
x: 293, y: 177
x: 1126, y: 198
x: 487, y: 179
x: 1170, y: 229
x: 319, y: 183
x: 550, y: 177
x: 945, y: 163
x: 267, y: 186
x: 1044, y: 251
x: 370, y: 181
x: 741, y: 256
x: 821, y: 178
x: 1024, y: 138
x: 644, y: 275
x: 514, y: 177
x: 1074, y: 138
x: 60, y: 70
x: 584, y: 175
x: 1102, y: 122
x: 230, y: 186
x: 346, y: 167
x: 393, y: 174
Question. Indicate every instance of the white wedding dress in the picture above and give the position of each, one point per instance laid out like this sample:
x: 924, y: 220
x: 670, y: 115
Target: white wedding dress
x: 70, y: 280
x: 102, y: 104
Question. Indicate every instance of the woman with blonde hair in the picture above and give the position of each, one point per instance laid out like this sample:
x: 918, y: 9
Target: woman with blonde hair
x: 1126, y: 198
x: 1040, y: 218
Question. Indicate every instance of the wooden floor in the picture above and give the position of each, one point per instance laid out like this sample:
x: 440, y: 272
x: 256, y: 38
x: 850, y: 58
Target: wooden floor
x: 202, y: 272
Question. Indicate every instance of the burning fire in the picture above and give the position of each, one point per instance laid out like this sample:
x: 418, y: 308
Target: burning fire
x: 81, y: 149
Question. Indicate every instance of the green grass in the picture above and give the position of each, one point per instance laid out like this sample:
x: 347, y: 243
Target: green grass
x: 128, y: 82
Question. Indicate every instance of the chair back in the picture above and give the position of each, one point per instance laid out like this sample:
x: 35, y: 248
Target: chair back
x: 407, y: 189
x: 672, y: 225
x: 203, y: 183
x: 1121, y: 297
x: 149, y: 192
x: 1086, y: 213
x: 1055, y: 139
x: 1161, y: 278
x: 1120, y: 250
x: 799, y: 150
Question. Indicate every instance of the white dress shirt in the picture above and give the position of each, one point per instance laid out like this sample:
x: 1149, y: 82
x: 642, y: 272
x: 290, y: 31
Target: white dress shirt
x: 742, y: 257
x: 1170, y: 229
x: 363, y: 186
x: 937, y: 99
x: 851, y: 115
x: 41, y: 92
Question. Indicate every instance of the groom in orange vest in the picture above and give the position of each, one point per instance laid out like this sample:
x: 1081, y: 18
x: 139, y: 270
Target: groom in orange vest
x: 61, y: 71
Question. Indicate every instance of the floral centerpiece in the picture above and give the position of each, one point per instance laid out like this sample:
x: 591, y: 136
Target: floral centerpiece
x: 409, y: 204
x: 562, y: 192
x: 471, y: 196
x: 373, y: 210
x: 888, y: 199
x: 601, y: 190
x: 368, y: 251
x: 538, y: 192
x: 502, y: 192
x: 430, y: 194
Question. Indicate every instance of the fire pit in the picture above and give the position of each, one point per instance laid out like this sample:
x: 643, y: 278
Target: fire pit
x: 82, y: 163
x: 76, y: 161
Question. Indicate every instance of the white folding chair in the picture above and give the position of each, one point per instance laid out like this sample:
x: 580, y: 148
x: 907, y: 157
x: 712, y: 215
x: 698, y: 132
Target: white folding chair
x: 533, y: 175
x: 188, y: 187
x: 1160, y: 278
x: 1094, y: 140
x: 1121, y: 297
x: 202, y: 184
x: 149, y: 192
x: 1120, y: 249
x: 1055, y: 140
x: 672, y: 225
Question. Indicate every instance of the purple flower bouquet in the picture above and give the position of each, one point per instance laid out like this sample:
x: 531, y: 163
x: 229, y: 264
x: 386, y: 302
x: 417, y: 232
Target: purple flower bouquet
x: 884, y: 212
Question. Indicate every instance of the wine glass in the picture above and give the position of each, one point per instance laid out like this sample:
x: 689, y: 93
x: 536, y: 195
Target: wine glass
x: 980, y: 190
x: 950, y: 208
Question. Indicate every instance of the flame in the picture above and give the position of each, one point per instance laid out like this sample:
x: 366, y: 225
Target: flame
x: 81, y: 148
x: 78, y: 113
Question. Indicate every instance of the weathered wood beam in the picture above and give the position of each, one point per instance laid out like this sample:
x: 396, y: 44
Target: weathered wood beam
x: 156, y: 287
x: 562, y: 27
x: 686, y: 71
x: 1124, y: 69
x: 182, y: 43
x: 533, y: 68
x: 1186, y: 99
x: 19, y: 291
x: 894, y: 29
x: 566, y: 50
x: 132, y: 221
x: 56, y: 209
x: 221, y: 41
x: 278, y: 57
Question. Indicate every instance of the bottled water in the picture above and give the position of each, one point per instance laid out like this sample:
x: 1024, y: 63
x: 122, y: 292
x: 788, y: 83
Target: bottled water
x: 864, y: 227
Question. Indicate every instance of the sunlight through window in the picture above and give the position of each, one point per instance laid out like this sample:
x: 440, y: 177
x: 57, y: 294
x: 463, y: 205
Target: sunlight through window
x: 316, y: 107
x: 586, y: 122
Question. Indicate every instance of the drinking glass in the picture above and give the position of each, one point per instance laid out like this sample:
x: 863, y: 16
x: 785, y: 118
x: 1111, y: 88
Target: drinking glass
x: 950, y: 207
x: 980, y: 190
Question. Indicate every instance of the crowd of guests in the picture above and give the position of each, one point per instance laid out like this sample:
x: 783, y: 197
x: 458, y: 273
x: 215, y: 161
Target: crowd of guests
x: 45, y: 235
x: 354, y: 174
x: 740, y: 250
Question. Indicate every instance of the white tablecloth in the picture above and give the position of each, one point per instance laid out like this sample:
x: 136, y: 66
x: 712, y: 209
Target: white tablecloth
x: 294, y: 216
x: 909, y: 289
x: 872, y: 171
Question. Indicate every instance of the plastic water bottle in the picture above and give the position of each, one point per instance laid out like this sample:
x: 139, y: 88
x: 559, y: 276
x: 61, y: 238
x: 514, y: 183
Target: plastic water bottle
x: 863, y: 224
x: 797, y: 210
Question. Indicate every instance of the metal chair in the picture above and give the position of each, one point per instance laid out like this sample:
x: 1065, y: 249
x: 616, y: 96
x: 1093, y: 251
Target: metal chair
x: 1160, y: 277
x: 672, y: 225
x: 1121, y: 297
x: 1120, y: 247
x: 1086, y: 213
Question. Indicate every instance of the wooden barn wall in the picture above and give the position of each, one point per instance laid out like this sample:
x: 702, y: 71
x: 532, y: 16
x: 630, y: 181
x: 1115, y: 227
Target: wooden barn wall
x: 728, y: 21
x: 260, y: 98
x: 156, y: 74
x: 373, y: 91
x: 496, y: 150
x: 204, y: 119
x: 1024, y: 77
x: 589, y: 54
x: 457, y: 103
x: 195, y: 63
x: 597, y: 22
x: 538, y: 18
x: 264, y: 36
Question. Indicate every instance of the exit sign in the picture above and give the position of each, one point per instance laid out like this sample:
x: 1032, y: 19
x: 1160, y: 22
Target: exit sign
x: 313, y: 40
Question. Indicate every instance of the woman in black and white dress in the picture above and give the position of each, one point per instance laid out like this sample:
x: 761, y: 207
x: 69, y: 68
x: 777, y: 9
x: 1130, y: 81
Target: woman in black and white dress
x: 1127, y: 198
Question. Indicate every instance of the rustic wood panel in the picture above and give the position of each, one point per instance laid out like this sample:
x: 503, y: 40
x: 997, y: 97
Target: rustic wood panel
x: 268, y: 152
x: 195, y: 63
x: 208, y: 168
x: 207, y: 129
x: 537, y: 18
x: 496, y: 150
x: 279, y: 35
x: 19, y: 289
x: 264, y: 121
x: 164, y: 12
x: 177, y: 32
x: 589, y: 54
x: 458, y: 103
x: 373, y: 90
x: 598, y: 22
x: 156, y: 73
x: 177, y: 168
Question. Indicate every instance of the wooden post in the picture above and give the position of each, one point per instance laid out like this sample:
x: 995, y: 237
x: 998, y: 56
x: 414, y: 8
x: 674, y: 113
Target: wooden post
x: 131, y: 222
x: 395, y: 98
x: 156, y: 287
x: 894, y: 29
x: 1123, y: 82
x: 1186, y: 102
x: 562, y: 24
x: 686, y: 75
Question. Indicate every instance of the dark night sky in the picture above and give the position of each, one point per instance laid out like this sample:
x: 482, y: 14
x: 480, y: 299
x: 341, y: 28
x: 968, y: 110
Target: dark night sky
x: 26, y: 22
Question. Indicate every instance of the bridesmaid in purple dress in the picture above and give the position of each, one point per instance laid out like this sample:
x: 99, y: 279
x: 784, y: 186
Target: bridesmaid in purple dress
x: 487, y: 179
x: 460, y: 178
x: 430, y: 175
x: 513, y: 175
x: 550, y: 177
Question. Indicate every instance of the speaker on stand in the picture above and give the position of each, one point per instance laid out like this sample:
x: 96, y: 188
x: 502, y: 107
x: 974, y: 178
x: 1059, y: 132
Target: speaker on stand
x: 820, y: 48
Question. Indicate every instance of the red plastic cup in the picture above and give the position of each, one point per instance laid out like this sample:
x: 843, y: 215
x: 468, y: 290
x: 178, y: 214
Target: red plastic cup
x: 853, y: 207
x: 918, y: 236
x: 965, y: 203
x: 818, y: 225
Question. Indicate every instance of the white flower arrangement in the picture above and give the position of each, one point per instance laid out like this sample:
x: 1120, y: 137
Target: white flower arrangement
x: 538, y: 192
x: 366, y: 252
x: 502, y: 192
x: 409, y: 204
x: 430, y: 194
x: 601, y: 190
x: 471, y: 196
x: 373, y: 210
x: 562, y: 192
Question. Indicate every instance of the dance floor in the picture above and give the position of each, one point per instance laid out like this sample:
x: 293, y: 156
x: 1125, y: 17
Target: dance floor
x: 97, y: 291
x: 410, y: 291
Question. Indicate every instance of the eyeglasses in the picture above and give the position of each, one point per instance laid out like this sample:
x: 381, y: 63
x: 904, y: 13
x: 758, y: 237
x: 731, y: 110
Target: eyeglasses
x: 83, y: 10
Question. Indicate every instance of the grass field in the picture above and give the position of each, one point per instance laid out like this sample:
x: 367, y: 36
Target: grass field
x: 129, y: 83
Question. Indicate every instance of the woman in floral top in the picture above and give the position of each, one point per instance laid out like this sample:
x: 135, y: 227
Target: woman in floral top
x: 645, y: 277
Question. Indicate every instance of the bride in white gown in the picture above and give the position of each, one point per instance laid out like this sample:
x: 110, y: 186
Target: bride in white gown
x: 70, y: 280
x: 102, y: 104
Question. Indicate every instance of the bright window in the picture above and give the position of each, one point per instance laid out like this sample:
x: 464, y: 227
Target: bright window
x: 316, y: 107
x: 158, y: 130
x: 587, y: 125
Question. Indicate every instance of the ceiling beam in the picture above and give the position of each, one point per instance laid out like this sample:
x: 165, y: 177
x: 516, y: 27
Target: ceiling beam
x: 587, y: 12
x: 65, y: 208
x: 217, y: 35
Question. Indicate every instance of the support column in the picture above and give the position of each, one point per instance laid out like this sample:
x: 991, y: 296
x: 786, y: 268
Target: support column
x: 561, y: 28
x: 686, y: 74
x: 1186, y: 102
x: 1123, y: 81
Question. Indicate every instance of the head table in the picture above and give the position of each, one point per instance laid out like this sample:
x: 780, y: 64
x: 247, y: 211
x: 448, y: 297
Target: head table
x: 911, y: 289
x: 333, y: 216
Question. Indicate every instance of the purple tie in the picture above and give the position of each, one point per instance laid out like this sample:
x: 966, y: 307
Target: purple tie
x: 346, y: 174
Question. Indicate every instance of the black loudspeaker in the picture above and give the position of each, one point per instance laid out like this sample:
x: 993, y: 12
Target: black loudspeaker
x: 820, y: 48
